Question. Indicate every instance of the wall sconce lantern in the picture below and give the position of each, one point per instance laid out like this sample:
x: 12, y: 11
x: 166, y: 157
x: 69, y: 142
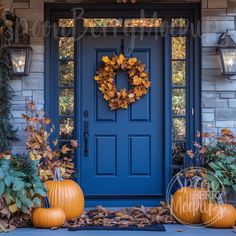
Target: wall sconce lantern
x: 21, y: 58
x: 227, y: 53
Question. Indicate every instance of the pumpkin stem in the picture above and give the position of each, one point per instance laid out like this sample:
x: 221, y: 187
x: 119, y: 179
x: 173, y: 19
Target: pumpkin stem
x: 57, y: 175
x: 46, y: 202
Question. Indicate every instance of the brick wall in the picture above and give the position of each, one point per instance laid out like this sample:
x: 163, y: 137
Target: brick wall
x: 218, y: 93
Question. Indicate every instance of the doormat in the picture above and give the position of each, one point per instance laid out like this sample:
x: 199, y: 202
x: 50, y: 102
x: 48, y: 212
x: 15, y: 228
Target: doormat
x: 132, y: 219
x: 156, y: 227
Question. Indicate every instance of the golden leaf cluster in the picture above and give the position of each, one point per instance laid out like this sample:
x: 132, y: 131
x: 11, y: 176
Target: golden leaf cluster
x: 38, y: 131
x: 138, y: 80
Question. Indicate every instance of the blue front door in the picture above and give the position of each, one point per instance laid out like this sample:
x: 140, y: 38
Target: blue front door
x: 122, y: 158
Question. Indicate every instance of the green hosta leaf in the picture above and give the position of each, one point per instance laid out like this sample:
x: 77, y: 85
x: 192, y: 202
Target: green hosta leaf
x: 18, y: 185
x: 37, y: 201
x: 27, y: 185
x: 211, y: 178
x: 218, y: 173
x: 40, y: 192
x: 24, y: 209
x: 17, y: 173
x: 2, y: 187
x: 18, y: 202
x: 1, y: 174
x: 214, y: 166
x: 28, y: 203
x: 215, y: 185
x: 234, y: 187
x: 8, y: 181
x: 226, y: 182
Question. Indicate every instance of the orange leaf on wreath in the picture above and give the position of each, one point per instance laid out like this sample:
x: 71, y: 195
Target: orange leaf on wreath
x: 65, y: 149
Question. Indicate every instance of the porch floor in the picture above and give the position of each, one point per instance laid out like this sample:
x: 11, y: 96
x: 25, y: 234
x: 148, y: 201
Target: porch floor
x: 170, y: 230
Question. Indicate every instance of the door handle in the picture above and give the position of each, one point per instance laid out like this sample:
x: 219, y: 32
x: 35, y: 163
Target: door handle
x: 86, y: 135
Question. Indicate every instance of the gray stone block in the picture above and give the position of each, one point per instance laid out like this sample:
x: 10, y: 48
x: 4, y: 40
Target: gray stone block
x: 210, y: 95
x: 16, y: 85
x: 209, y: 39
x: 18, y: 107
x: 217, y: 3
x: 231, y: 10
x: 37, y: 40
x: 226, y: 124
x: 36, y: 57
x: 232, y: 103
x: 227, y: 95
x: 217, y: 26
x: 38, y: 48
x: 223, y: 84
x: 204, y: 3
x: 208, y: 86
x: 213, y: 12
x: 37, y: 66
x: 215, y: 103
x: 208, y: 110
x: 206, y: 117
x: 17, y: 114
x: 6, y: 4
x: 27, y: 93
x: 225, y: 114
x: 30, y: 14
x: 38, y: 4
x: 211, y: 72
x: 21, y: 5
x: 38, y: 96
x: 210, y: 61
x: 33, y: 82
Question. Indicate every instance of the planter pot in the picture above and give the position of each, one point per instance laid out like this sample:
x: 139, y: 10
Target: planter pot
x: 231, y: 198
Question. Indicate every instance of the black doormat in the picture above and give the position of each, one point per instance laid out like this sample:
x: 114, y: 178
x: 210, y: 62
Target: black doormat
x: 154, y: 227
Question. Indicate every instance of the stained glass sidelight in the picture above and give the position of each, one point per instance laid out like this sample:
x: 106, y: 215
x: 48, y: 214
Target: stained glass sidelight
x: 146, y: 22
x: 178, y: 22
x: 178, y: 47
x: 66, y: 76
x: 66, y: 72
x: 66, y: 48
x: 66, y: 22
x: 66, y: 102
x: 67, y: 128
x: 178, y: 73
x: 178, y: 102
x: 102, y: 22
x: 179, y: 112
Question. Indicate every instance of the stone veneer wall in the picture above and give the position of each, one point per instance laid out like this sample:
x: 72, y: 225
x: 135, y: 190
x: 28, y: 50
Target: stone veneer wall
x: 218, y: 93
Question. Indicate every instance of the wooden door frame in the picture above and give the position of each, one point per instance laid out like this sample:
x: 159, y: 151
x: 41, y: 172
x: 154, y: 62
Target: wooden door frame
x: 191, y: 11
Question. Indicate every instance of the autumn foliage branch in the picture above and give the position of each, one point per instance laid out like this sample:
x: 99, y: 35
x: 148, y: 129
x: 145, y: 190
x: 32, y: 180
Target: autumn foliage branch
x: 39, y: 130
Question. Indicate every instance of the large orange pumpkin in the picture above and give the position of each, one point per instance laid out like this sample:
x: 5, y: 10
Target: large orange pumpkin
x: 48, y: 217
x: 219, y: 215
x: 187, y: 204
x: 65, y: 194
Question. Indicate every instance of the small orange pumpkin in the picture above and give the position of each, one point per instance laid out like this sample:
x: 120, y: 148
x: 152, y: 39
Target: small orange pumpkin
x: 65, y: 194
x: 187, y: 204
x: 48, y: 217
x: 219, y: 215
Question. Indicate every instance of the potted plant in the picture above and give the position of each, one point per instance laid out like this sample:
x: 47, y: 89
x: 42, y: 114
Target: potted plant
x: 218, y: 154
x: 21, y: 189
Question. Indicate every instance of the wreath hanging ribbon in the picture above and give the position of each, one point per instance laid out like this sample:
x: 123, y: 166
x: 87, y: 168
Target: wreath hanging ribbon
x: 138, y: 81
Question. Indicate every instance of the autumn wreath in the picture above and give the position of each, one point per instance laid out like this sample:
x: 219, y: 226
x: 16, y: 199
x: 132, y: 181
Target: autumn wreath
x: 138, y: 81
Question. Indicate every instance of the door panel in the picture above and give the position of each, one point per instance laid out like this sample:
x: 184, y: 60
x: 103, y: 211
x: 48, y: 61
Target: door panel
x: 125, y: 156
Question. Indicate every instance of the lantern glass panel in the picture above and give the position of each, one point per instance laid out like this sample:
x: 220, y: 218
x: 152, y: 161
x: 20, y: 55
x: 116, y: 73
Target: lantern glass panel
x: 229, y: 60
x: 18, y: 57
